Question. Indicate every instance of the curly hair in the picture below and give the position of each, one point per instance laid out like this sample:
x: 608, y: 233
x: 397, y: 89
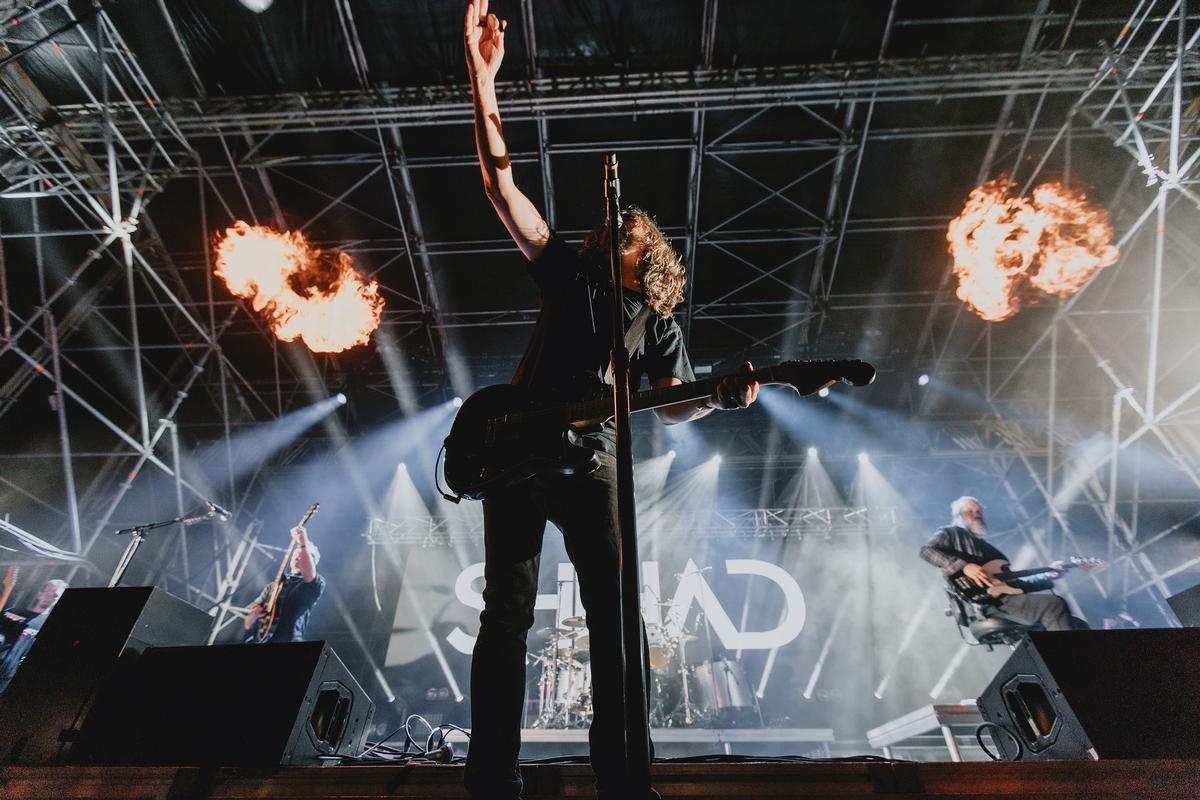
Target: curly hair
x: 660, y: 271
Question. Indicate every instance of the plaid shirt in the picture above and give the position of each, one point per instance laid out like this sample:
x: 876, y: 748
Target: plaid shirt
x: 953, y: 547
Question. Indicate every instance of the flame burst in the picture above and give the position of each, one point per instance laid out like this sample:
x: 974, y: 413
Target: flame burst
x: 303, y: 292
x: 1004, y: 244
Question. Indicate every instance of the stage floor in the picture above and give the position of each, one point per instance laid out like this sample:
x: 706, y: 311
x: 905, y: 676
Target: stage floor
x: 1084, y: 780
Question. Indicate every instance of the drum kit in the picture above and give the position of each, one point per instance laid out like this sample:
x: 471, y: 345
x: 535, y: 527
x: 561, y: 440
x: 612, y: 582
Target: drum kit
x: 685, y: 691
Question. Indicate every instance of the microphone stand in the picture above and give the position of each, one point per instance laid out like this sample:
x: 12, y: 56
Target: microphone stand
x: 632, y: 655
x: 139, y: 535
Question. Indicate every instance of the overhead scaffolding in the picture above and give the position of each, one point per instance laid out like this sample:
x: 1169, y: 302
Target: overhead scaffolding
x: 103, y: 163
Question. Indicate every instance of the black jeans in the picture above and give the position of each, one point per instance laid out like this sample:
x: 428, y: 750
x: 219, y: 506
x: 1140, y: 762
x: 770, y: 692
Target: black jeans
x: 584, y: 508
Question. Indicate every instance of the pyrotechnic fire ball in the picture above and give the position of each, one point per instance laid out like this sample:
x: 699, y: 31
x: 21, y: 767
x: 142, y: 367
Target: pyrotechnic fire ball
x: 1007, y: 249
x: 302, y: 291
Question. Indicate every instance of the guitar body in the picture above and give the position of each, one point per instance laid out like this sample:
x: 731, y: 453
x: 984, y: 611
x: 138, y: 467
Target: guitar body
x: 499, y: 439
x: 504, y: 434
x: 270, y: 621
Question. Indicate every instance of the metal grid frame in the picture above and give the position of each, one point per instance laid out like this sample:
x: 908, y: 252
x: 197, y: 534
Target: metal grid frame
x: 107, y: 160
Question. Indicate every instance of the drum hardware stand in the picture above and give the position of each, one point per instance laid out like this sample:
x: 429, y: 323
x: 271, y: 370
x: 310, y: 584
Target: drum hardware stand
x: 683, y: 677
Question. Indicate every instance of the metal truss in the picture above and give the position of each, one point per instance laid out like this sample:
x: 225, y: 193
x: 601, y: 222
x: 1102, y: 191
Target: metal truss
x: 1147, y: 370
x: 104, y: 162
x: 749, y: 523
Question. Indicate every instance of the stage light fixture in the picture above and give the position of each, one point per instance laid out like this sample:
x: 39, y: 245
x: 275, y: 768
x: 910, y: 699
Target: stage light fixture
x: 824, y: 392
x: 863, y: 458
x: 670, y: 454
x: 341, y: 398
x: 402, y: 467
x: 457, y: 402
x: 812, y: 452
x: 716, y: 459
x: 923, y: 380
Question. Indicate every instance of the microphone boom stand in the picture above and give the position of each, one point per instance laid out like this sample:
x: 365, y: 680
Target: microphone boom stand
x: 637, y: 725
x: 139, y: 535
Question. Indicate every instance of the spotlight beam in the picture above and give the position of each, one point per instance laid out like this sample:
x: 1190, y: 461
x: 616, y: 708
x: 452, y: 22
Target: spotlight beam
x: 820, y: 665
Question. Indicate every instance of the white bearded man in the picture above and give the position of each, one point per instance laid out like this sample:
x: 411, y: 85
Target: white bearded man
x: 960, y: 547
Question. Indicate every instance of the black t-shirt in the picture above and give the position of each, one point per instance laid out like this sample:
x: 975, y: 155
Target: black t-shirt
x: 295, y: 604
x: 568, y: 355
x: 15, y: 620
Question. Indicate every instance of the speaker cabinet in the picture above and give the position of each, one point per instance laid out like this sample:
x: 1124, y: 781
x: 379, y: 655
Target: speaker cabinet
x: 1098, y: 694
x: 76, y: 651
x: 228, y: 705
x: 1186, y: 606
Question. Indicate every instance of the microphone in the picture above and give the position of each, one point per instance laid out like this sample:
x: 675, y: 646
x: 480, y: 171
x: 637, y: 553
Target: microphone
x: 442, y: 755
x: 205, y: 517
x: 222, y: 513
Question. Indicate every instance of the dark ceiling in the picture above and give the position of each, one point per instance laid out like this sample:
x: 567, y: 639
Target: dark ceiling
x: 818, y: 226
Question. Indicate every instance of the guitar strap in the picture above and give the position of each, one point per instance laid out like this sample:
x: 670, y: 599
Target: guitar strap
x: 633, y: 337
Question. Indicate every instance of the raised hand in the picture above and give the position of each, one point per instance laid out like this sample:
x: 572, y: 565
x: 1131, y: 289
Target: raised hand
x: 483, y: 36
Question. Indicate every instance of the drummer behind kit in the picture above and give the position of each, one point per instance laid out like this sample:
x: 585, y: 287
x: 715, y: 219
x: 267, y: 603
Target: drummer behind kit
x: 696, y: 692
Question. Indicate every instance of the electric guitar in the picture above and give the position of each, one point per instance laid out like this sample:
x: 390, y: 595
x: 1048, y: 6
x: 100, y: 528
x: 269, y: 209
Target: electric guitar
x: 7, y: 584
x: 270, y: 618
x: 501, y: 436
x: 973, y: 592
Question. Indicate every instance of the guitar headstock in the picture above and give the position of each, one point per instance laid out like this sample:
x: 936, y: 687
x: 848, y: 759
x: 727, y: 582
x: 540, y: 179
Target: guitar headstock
x: 1089, y: 563
x: 808, y: 377
x: 309, y: 514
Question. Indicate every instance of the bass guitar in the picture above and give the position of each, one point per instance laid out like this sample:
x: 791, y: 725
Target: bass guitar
x: 501, y: 436
x: 1004, y: 578
x: 270, y: 618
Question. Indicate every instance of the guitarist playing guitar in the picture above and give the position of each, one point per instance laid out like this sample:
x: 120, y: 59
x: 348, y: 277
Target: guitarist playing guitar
x: 979, y: 572
x: 299, y: 589
x: 566, y: 358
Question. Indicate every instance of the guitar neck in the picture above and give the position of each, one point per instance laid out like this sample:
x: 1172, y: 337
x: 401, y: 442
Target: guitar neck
x: 1027, y: 573
x: 600, y: 409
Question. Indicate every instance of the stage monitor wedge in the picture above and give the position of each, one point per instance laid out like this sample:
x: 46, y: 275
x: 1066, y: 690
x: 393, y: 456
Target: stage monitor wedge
x: 1186, y: 606
x: 1098, y: 694
x: 76, y: 650
x: 229, y: 705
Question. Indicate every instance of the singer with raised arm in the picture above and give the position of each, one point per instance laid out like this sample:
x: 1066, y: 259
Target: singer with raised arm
x: 566, y: 358
x: 299, y: 591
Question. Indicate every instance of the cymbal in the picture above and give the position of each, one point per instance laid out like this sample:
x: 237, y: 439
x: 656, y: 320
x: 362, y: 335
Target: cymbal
x: 574, y: 641
x: 552, y: 631
x: 574, y: 655
x: 574, y: 622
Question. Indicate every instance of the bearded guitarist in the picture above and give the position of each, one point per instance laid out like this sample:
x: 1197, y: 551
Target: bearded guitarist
x: 572, y: 338
x: 960, y: 552
x: 302, y: 588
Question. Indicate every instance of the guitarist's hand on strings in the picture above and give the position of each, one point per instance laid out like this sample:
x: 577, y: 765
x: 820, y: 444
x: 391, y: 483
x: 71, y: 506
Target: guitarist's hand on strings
x: 976, y: 575
x: 735, y: 391
x: 254, y: 614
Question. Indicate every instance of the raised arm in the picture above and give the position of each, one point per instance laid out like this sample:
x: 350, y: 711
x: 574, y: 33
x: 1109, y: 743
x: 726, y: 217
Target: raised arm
x: 483, y: 35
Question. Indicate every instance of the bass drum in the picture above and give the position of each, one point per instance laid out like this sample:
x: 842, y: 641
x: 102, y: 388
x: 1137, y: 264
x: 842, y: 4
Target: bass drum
x: 724, y: 694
